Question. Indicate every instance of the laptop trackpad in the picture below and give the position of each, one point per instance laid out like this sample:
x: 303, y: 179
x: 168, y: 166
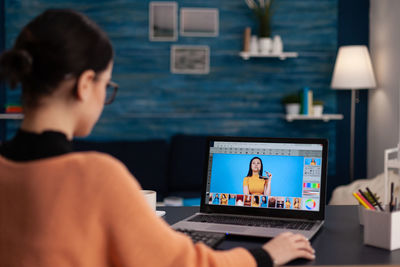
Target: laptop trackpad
x: 226, y: 228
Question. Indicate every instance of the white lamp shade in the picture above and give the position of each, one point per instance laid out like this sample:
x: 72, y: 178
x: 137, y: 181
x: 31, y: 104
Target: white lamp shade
x: 353, y: 69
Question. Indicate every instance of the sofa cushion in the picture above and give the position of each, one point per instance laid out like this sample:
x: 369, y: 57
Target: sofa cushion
x: 146, y: 160
x: 343, y: 195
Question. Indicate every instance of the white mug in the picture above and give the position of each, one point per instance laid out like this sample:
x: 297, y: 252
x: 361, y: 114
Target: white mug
x: 151, y: 198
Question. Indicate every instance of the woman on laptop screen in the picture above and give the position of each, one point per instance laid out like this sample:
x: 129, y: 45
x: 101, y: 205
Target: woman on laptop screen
x: 264, y: 202
x: 85, y: 209
x: 254, y: 183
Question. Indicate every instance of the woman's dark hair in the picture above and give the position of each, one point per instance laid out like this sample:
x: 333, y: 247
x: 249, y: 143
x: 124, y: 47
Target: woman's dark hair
x: 264, y: 199
x: 256, y: 199
x: 250, y: 173
x: 56, y: 45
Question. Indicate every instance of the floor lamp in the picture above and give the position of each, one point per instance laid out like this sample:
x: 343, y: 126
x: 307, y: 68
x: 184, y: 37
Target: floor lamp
x: 353, y: 71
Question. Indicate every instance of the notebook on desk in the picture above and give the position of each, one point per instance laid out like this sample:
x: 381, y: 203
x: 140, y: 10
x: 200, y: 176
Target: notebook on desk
x: 262, y: 187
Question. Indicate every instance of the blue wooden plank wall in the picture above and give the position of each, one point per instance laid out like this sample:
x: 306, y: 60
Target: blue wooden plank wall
x: 237, y: 97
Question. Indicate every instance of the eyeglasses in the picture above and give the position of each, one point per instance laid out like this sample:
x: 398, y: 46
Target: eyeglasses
x: 111, y: 92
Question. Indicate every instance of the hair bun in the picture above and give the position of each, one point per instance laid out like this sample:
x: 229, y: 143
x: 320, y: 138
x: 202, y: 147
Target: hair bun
x: 15, y: 66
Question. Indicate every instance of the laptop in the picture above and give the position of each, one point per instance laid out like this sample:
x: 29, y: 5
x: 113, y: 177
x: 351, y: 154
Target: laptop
x: 262, y: 187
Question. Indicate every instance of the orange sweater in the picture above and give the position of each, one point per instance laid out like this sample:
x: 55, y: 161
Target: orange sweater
x: 85, y: 209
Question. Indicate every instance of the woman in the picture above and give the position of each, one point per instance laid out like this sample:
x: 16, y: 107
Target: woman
x: 280, y: 202
x: 239, y: 200
x: 256, y: 201
x: 85, y: 209
x: 231, y: 200
x: 247, y: 200
x: 254, y: 183
x: 288, y: 204
x: 224, y: 199
x: 264, y: 202
x: 296, y: 203
x: 272, y: 202
x: 216, y: 199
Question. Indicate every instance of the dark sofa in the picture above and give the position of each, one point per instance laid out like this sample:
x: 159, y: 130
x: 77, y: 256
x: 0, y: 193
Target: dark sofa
x: 172, y: 167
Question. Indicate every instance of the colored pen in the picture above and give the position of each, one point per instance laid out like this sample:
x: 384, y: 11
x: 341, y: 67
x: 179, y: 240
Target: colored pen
x: 360, y: 201
x: 373, y: 197
x: 366, y: 198
x: 371, y: 207
x: 391, y: 203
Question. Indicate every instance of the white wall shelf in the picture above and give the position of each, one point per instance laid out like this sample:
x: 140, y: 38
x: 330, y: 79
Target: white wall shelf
x: 11, y: 116
x: 323, y: 117
x: 281, y: 56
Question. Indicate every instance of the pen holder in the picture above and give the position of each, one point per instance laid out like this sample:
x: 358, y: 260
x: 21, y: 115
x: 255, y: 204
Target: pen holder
x: 361, y: 214
x: 381, y: 229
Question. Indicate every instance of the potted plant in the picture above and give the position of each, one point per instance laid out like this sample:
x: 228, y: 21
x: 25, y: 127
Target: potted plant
x: 292, y: 104
x: 318, y: 107
x: 262, y: 9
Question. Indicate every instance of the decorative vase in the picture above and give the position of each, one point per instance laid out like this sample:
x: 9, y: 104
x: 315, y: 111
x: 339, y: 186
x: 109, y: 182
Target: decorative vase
x: 292, y: 108
x: 277, y: 45
x: 317, y: 110
x: 264, y: 41
x: 254, y: 45
x: 265, y: 45
x: 265, y: 26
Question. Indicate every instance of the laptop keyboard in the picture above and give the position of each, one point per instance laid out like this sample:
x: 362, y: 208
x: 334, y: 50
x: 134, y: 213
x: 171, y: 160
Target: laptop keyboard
x: 208, y: 238
x: 253, y: 222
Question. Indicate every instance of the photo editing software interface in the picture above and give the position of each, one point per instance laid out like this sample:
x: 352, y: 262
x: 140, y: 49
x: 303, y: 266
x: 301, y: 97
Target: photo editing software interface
x: 265, y: 175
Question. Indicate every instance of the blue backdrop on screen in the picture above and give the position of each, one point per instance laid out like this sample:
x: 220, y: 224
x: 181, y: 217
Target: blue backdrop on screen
x: 229, y: 170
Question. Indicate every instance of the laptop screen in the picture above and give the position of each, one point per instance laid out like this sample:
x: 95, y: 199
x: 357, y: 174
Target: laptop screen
x: 265, y: 175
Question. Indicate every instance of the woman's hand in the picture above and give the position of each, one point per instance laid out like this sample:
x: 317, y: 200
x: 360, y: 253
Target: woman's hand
x: 267, y: 185
x: 246, y: 190
x: 288, y: 246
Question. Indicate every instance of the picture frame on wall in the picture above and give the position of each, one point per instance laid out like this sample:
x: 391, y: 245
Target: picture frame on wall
x: 199, y: 22
x: 163, y: 24
x: 190, y: 59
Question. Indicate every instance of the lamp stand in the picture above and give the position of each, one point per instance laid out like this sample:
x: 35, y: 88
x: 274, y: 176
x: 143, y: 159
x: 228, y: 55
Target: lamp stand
x: 352, y: 128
